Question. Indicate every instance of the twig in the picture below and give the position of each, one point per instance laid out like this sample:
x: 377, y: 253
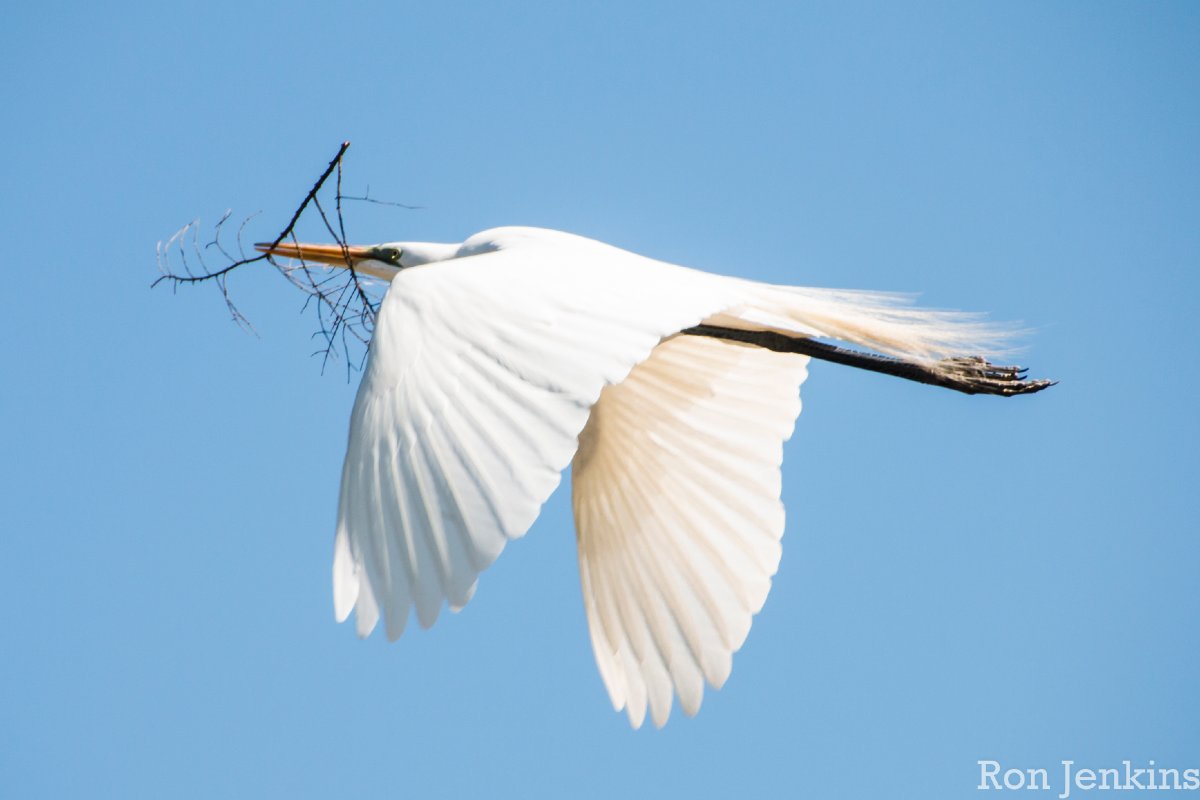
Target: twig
x: 366, y: 198
x: 344, y: 307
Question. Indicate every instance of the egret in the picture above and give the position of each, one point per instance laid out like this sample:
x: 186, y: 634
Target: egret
x: 498, y: 362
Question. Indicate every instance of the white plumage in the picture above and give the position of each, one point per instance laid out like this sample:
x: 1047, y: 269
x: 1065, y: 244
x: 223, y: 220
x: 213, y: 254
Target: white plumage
x: 676, y: 493
x: 498, y: 362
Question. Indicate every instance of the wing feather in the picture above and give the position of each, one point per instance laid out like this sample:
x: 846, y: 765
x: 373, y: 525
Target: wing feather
x: 676, y: 494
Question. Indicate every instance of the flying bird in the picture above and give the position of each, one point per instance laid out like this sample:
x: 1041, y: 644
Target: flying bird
x: 498, y: 362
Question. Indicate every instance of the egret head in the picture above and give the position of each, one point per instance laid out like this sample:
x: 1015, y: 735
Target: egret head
x: 380, y: 261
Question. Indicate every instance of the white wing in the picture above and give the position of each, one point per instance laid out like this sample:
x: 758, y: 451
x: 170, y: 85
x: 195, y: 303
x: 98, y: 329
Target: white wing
x: 481, y: 375
x: 676, y: 494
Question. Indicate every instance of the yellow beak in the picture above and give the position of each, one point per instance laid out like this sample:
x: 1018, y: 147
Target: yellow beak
x: 354, y: 257
x: 333, y: 254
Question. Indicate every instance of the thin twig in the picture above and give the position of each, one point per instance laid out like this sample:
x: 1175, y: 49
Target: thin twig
x: 312, y: 193
x: 366, y: 198
x: 345, y: 308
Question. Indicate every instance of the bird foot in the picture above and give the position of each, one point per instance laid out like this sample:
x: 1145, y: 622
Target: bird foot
x: 976, y: 375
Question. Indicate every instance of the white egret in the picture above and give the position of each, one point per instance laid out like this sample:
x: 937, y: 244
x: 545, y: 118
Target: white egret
x: 497, y: 362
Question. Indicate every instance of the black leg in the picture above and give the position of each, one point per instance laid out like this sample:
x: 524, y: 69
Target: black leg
x: 970, y: 375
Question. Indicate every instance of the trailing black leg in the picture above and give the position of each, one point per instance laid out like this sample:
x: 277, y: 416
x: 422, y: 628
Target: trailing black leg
x: 969, y: 374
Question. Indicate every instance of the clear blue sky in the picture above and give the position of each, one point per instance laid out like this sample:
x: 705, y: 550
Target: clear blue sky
x: 963, y: 578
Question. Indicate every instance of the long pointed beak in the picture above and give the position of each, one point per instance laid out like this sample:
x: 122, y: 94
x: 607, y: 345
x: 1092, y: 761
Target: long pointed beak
x: 362, y: 260
x: 333, y: 254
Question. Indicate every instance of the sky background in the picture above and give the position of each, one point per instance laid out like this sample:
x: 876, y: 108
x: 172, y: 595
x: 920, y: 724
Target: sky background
x: 963, y: 578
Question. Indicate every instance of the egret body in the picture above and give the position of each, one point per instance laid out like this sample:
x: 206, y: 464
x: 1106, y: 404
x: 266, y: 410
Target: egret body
x: 498, y: 362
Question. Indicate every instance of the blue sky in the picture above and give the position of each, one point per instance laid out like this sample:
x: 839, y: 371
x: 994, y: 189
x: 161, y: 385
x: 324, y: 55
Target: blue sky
x: 963, y: 578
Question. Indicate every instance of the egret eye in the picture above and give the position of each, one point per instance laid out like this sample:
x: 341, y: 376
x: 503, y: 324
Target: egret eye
x: 391, y: 255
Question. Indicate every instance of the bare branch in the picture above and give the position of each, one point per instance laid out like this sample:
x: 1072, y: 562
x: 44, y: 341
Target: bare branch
x: 343, y: 300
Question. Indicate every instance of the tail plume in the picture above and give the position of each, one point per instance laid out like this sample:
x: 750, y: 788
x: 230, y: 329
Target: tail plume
x: 883, y: 322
